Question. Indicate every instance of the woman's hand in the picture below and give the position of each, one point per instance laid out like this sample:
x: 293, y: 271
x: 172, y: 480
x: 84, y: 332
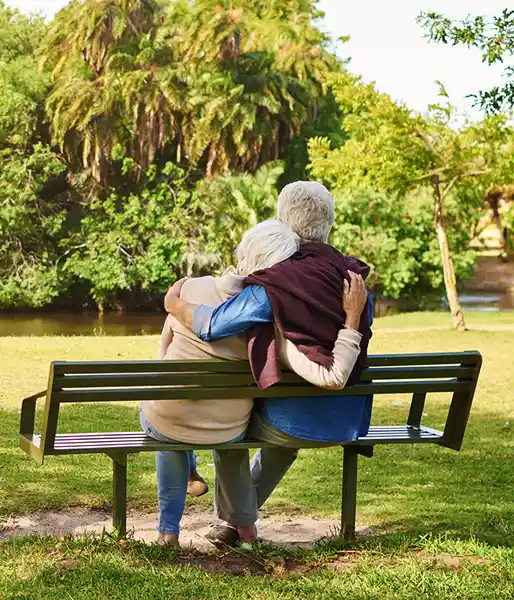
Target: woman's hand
x: 355, y: 296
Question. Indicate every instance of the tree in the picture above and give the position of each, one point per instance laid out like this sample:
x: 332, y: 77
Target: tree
x: 393, y: 150
x: 128, y: 248
x: 218, y: 86
x: 33, y: 214
x: 493, y: 37
x: 327, y: 124
x: 34, y: 194
x: 228, y: 206
x: 140, y: 138
x: 396, y: 238
x: 108, y: 68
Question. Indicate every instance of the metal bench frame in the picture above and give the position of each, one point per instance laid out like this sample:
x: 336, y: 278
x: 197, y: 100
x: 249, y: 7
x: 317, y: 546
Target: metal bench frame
x: 97, y: 382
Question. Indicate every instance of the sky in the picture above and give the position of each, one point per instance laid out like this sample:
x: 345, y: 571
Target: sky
x: 388, y: 46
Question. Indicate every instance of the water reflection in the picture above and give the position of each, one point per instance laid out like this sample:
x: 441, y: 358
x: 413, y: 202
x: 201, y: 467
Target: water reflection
x: 472, y: 301
x: 487, y: 302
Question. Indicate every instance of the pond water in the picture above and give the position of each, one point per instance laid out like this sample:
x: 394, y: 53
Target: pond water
x: 90, y: 323
x: 487, y: 302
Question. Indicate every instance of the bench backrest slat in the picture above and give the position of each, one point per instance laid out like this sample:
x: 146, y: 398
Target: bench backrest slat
x: 234, y: 392
x: 242, y: 379
x: 197, y: 380
x: 242, y: 366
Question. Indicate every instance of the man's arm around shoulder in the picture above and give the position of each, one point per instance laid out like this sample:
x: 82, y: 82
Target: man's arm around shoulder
x: 250, y: 307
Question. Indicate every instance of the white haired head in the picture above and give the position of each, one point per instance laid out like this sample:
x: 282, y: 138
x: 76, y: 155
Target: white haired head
x: 265, y: 245
x: 308, y: 207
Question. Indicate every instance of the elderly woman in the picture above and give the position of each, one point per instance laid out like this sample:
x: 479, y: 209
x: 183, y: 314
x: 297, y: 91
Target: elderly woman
x: 216, y: 421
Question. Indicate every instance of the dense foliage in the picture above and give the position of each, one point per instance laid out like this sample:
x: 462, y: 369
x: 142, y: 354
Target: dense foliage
x: 396, y: 152
x: 397, y: 239
x: 140, y: 138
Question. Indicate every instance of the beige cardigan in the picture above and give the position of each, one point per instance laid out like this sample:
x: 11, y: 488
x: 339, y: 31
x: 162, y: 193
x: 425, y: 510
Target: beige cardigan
x: 216, y: 421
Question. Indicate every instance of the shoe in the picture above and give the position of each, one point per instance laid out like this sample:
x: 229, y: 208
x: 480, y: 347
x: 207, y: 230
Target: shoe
x: 196, y: 485
x: 222, y: 536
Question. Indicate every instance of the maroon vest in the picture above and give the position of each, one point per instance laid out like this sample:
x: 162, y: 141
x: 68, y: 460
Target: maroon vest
x: 305, y: 292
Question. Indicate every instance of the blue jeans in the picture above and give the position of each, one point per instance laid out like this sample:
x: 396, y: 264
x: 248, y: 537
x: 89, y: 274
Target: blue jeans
x: 173, y: 470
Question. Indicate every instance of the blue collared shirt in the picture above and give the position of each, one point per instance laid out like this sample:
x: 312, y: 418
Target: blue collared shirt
x: 329, y: 419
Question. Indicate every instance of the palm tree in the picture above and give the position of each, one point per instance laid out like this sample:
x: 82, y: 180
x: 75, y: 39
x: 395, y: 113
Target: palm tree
x: 227, y: 87
x: 103, y: 56
x: 90, y: 29
x: 249, y: 97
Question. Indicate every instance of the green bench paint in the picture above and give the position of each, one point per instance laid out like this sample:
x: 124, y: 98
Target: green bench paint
x: 74, y: 382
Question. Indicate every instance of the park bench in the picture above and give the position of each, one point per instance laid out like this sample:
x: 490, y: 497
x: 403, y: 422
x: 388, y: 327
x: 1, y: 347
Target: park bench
x: 100, y: 382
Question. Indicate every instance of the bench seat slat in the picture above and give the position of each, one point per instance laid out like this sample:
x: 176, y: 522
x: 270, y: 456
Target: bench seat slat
x: 91, y: 443
x: 375, y: 430
x: 238, y: 379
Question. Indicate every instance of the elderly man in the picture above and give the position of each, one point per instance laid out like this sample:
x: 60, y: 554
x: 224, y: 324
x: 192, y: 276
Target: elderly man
x: 302, y: 298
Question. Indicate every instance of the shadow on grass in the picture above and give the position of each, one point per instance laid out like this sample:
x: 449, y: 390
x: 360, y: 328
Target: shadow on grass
x: 416, y: 489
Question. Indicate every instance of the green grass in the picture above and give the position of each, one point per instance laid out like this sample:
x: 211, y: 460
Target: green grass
x: 89, y: 569
x: 462, y: 500
x: 430, y: 319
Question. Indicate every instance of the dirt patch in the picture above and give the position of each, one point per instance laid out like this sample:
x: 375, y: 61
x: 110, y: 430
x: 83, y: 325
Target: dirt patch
x: 290, y: 531
x: 58, y: 522
x: 453, y: 561
x: 235, y: 564
x: 243, y: 564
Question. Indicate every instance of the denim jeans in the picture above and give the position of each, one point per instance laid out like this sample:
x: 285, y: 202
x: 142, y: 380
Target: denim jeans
x: 241, y: 489
x: 173, y: 470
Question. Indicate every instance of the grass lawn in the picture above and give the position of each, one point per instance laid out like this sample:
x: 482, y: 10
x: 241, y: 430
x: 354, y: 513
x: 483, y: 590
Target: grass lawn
x: 432, y: 569
x: 462, y: 501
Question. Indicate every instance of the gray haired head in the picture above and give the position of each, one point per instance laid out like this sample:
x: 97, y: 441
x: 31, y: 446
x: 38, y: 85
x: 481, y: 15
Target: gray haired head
x: 308, y: 207
x: 265, y: 245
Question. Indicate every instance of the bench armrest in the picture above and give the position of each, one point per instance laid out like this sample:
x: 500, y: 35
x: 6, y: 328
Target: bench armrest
x: 460, y: 408
x: 457, y: 420
x: 28, y: 413
x: 27, y: 421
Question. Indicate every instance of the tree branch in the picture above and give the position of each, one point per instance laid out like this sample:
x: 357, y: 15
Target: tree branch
x: 448, y: 188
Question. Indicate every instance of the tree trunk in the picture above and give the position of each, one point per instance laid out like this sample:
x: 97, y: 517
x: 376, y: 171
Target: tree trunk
x: 448, y: 270
x: 501, y: 233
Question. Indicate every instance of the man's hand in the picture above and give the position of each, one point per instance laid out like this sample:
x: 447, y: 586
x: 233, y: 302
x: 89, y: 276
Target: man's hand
x: 355, y: 296
x: 182, y: 311
x: 174, y: 291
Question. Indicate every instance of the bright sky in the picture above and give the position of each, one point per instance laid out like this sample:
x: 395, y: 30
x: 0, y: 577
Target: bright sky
x: 387, y: 46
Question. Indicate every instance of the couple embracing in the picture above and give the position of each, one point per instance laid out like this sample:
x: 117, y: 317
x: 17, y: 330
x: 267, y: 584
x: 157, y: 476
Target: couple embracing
x: 294, y: 301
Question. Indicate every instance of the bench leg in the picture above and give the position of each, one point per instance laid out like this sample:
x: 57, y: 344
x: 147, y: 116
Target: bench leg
x: 119, y: 493
x: 349, y: 502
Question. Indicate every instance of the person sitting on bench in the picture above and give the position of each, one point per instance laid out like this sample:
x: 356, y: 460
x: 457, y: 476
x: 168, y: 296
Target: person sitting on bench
x: 302, y: 297
x: 216, y: 421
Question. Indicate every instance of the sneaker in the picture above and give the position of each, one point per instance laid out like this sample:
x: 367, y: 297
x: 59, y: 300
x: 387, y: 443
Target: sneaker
x: 222, y: 536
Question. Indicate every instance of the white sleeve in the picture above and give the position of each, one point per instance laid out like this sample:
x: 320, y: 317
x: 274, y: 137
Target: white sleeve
x: 345, y: 353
